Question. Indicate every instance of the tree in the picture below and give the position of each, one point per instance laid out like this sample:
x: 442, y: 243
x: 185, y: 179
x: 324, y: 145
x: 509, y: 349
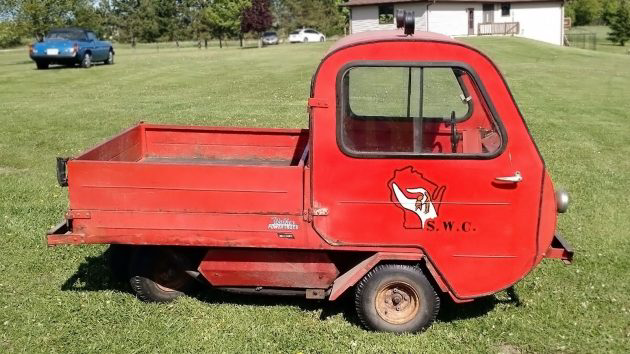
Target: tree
x: 324, y: 15
x: 584, y: 11
x: 136, y: 19
x: 620, y: 25
x: 224, y: 18
x: 36, y: 17
x: 609, y: 9
x: 257, y: 18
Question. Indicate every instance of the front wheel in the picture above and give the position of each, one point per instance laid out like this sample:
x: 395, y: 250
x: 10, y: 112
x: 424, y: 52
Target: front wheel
x: 396, y: 298
x: 305, y: 40
x: 86, y: 62
x: 158, y: 274
x: 321, y: 39
x: 110, y: 58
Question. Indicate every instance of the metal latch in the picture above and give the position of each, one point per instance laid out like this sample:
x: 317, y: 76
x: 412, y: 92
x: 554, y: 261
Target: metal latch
x: 76, y: 214
x: 317, y: 102
x: 62, y: 174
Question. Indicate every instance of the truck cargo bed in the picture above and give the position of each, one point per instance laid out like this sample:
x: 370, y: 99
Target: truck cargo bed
x: 189, y: 185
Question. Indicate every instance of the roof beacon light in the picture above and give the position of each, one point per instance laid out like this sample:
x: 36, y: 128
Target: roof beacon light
x: 410, y: 22
x: 406, y: 20
x: 400, y: 18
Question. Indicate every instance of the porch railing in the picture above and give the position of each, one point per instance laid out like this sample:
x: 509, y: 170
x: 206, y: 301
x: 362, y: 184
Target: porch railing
x: 487, y: 28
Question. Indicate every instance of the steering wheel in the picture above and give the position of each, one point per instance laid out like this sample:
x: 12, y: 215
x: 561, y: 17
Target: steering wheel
x: 454, y: 136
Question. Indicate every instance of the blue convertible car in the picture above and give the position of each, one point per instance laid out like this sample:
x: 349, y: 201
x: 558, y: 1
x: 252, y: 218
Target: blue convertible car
x: 70, y: 46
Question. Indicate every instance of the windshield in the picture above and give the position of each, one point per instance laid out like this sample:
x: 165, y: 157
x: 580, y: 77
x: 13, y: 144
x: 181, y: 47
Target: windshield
x: 266, y: 34
x: 72, y: 35
x: 295, y: 32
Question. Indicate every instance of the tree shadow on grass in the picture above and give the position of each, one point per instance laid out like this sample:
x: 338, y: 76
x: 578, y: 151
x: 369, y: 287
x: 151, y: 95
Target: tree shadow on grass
x: 94, y: 274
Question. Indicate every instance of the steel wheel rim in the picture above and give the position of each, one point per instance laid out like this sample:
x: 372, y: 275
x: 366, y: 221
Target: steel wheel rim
x: 167, y: 276
x: 88, y: 60
x: 397, y: 302
x: 111, y: 57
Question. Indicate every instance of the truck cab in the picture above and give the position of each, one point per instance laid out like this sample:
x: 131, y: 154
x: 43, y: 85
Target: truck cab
x: 416, y: 177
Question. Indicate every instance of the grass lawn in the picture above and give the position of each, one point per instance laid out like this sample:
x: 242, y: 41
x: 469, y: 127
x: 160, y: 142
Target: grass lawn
x: 603, y: 44
x: 63, y: 300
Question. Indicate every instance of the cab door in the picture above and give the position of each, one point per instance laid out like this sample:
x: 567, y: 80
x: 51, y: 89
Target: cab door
x: 421, y: 158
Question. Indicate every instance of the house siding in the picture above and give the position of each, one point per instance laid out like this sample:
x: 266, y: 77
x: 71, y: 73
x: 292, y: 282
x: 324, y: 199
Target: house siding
x: 365, y: 18
x: 542, y: 21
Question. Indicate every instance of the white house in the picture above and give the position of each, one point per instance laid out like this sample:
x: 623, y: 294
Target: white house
x: 541, y: 20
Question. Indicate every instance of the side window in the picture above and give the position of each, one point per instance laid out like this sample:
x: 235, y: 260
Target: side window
x: 91, y: 36
x: 399, y: 110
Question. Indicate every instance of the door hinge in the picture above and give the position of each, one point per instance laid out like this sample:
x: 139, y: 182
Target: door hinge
x: 308, y: 214
x: 320, y: 211
x: 317, y: 102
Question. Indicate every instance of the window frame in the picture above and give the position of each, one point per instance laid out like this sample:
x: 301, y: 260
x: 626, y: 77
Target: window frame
x: 342, y: 102
x: 508, y: 6
x: 393, y: 19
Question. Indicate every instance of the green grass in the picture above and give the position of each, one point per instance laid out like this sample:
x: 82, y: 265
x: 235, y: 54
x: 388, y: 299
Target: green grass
x: 63, y: 300
x: 602, y: 42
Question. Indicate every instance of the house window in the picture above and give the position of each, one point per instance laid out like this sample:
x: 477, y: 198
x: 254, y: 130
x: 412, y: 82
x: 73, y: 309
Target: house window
x: 385, y: 14
x: 414, y: 111
x: 505, y: 9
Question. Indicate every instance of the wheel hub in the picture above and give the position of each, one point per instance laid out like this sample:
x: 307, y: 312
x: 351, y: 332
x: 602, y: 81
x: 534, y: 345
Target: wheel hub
x: 397, y: 302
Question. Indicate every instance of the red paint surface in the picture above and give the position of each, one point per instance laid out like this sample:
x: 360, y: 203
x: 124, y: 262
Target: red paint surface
x: 258, y: 188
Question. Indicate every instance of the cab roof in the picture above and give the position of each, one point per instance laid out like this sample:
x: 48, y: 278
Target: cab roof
x: 386, y: 36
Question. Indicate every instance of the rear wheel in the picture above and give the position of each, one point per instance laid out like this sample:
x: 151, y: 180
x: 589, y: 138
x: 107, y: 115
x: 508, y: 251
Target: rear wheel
x: 110, y: 57
x: 158, y: 274
x: 396, y: 298
x: 86, y: 62
x: 41, y: 65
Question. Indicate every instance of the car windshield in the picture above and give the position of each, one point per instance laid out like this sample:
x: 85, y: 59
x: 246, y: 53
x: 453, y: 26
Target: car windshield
x: 268, y: 34
x: 295, y: 32
x: 72, y: 35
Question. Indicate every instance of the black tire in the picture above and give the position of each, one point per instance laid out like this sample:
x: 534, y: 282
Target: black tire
x: 86, y: 61
x: 396, y: 298
x: 305, y: 40
x: 157, y: 274
x: 42, y: 65
x: 321, y: 39
x: 118, y: 259
x: 110, y: 58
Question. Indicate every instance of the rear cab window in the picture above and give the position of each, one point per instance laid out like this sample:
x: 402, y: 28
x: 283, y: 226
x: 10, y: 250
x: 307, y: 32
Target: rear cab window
x: 416, y: 110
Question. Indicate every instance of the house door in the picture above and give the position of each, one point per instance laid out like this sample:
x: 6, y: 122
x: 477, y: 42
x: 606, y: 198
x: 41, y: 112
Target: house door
x: 488, y: 13
x: 471, y: 21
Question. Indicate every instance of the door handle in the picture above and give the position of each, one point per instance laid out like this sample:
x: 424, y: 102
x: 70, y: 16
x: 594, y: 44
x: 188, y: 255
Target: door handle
x: 514, y: 179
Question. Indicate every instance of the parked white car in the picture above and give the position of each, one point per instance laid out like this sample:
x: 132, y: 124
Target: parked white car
x: 306, y: 35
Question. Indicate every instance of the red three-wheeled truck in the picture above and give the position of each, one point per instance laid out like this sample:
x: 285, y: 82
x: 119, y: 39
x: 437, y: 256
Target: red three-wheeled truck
x: 417, y: 176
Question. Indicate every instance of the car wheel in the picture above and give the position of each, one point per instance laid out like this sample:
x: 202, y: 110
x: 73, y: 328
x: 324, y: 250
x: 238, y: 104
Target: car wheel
x: 321, y: 39
x: 396, y: 298
x: 110, y: 58
x: 86, y: 62
x: 305, y: 40
x: 157, y: 274
x: 41, y: 65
